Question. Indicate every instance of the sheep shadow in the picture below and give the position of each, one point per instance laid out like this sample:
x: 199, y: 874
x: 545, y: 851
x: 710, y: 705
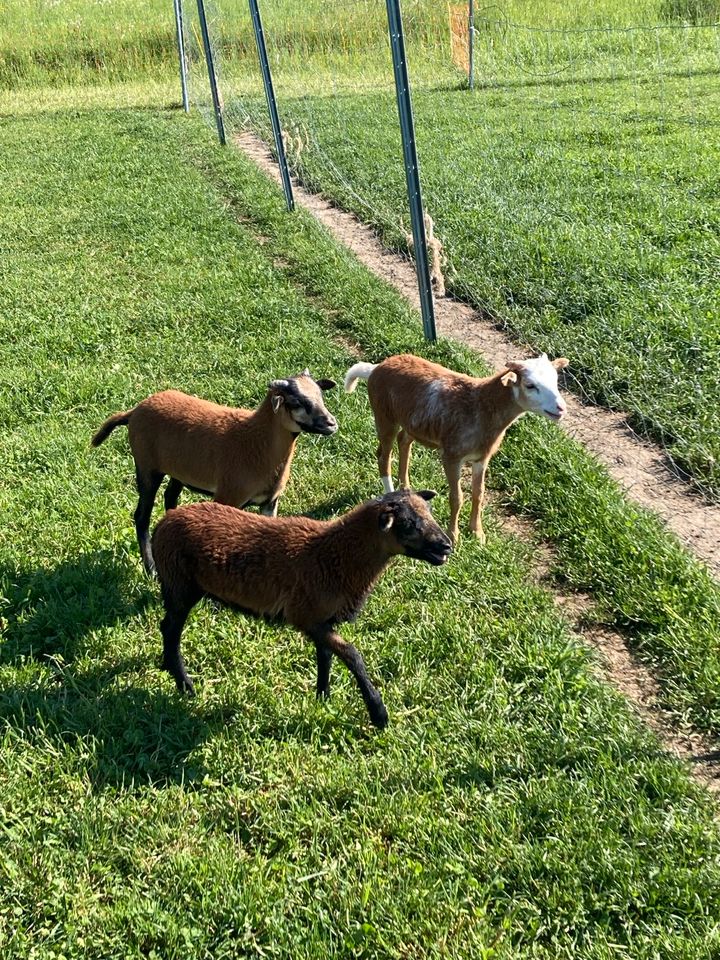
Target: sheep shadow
x: 123, y: 721
x: 123, y: 735
x: 47, y: 612
x: 341, y: 503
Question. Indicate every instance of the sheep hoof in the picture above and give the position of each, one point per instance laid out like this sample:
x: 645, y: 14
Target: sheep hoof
x: 379, y: 718
x: 480, y: 537
x: 185, y: 686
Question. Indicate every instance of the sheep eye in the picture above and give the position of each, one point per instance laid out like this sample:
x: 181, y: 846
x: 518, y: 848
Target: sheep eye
x: 531, y: 386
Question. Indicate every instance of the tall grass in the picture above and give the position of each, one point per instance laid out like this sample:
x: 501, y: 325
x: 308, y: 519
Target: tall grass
x: 89, y: 41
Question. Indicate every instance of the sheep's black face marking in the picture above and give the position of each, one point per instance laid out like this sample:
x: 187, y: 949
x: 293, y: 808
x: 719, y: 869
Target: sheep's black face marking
x: 407, y: 517
x: 303, y: 402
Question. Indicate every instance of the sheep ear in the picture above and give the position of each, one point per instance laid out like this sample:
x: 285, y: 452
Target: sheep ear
x: 517, y: 366
x: 426, y: 494
x: 306, y: 372
x: 326, y: 384
x: 508, y: 378
x: 386, y: 520
x: 277, y: 401
x: 560, y: 363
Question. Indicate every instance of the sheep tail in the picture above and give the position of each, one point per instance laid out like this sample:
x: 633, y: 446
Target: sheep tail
x: 360, y: 371
x: 116, y: 420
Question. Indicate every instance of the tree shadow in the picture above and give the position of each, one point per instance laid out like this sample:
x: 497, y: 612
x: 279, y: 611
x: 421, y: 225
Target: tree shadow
x: 48, y: 611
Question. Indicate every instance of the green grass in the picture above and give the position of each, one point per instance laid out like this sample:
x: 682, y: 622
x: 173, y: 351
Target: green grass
x: 84, y: 41
x: 514, y: 807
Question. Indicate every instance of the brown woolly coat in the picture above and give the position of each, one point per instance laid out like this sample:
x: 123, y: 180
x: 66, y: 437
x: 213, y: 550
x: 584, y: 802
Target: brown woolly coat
x: 245, y: 454
x: 304, y: 571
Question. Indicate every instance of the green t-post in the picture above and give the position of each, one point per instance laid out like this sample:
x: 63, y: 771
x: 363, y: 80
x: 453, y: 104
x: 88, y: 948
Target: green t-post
x: 412, y: 174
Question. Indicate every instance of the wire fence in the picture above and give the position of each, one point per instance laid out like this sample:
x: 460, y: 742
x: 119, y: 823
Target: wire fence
x: 574, y: 194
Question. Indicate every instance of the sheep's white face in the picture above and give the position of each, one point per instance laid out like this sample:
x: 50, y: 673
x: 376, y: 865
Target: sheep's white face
x: 299, y: 402
x: 535, y: 386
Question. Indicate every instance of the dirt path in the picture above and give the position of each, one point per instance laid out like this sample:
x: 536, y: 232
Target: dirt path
x: 617, y: 665
x: 642, y: 470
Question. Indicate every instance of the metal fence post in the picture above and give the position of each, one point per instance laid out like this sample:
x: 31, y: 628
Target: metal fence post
x: 272, y: 103
x: 181, y: 53
x: 407, y: 130
x: 212, y: 77
x: 471, y: 43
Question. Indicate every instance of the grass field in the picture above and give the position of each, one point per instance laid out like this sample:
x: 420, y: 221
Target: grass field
x: 513, y: 808
x: 575, y: 191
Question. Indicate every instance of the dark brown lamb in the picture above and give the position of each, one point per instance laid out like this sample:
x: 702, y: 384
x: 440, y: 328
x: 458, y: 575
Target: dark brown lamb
x: 313, y: 574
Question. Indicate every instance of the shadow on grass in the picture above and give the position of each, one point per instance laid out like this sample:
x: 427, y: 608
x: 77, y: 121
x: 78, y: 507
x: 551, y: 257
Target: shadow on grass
x: 122, y: 735
x: 123, y: 724
x: 48, y: 612
x: 125, y: 735
x: 334, y: 506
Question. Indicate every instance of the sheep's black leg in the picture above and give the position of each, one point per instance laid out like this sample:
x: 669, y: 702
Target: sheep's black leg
x: 324, y: 662
x: 270, y: 507
x: 351, y: 657
x: 147, y: 485
x: 172, y: 493
x: 171, y: 628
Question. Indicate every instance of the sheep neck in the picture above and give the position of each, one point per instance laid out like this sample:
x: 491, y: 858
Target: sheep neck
x: 499, y: 401
x: 266, y: 424
x: 497, y: 407
x: 356, y: 536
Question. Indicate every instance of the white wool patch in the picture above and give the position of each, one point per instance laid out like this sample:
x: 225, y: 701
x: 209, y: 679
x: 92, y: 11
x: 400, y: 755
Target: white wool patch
x: 433, y: 398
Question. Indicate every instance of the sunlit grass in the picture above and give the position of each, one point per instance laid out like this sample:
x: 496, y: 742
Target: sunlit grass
x: 514, y: 807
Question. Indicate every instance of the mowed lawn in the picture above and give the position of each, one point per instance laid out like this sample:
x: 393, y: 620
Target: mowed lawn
x: 513, y: 808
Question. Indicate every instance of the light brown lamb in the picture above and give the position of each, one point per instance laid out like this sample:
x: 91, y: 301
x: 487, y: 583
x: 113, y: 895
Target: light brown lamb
x: 237, y: 456
x: 464, y: 418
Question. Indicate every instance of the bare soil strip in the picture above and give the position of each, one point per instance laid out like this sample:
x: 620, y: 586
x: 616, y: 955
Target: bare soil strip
x: 617, y: 665
x: 641, y: 470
